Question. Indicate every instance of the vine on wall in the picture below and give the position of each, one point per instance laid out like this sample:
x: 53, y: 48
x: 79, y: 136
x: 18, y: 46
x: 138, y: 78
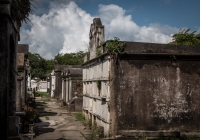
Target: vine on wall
x: 99, y: 86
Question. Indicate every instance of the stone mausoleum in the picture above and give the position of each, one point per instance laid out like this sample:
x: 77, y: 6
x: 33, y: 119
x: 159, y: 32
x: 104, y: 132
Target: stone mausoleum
x: 65, y: 84
x: 22, y: 77
x: 9, y: 37
x: 147, y: 90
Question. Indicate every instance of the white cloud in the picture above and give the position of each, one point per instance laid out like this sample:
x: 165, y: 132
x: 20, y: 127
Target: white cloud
x: 65, y: 28
x: 121, y: 25
x: 61, y: 30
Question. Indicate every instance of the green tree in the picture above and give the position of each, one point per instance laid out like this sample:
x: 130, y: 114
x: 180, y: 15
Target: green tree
x: 50, y: 65
x: 186, y: 38
x: 38, y: 66
x: 70, y: 58
x: 41, y: 67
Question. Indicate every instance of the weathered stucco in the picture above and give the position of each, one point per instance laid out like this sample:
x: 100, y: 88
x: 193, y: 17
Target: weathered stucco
x: 147, y: 90
x: 153, y: 91
x: 96, y: 93
x: 96, y: 37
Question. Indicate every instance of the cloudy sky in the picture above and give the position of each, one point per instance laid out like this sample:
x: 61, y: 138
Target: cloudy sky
x: 62, y: 26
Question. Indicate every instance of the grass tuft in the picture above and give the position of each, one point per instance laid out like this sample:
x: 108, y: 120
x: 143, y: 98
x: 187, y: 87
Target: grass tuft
x: 42, y: 94
x: 79, y: 116
x: 47, y: 117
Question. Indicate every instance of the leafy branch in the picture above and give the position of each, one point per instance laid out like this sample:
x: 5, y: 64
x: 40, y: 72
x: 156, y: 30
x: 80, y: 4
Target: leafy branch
x: 21, y: 10
x: 186, y: 38
x: 114, y: 46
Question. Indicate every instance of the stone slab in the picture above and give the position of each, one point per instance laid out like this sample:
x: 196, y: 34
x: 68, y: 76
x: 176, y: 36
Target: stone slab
x: 73, y: 135
x: 143, y: 133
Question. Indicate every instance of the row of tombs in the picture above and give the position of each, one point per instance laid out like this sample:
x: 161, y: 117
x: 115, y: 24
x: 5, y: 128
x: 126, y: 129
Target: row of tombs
x: 65, y: 84
x: 143, y: 92
x: 20, y: 125
x: 148, y: 90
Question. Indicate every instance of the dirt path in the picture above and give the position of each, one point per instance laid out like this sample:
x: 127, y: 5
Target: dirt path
x: 57, y: 123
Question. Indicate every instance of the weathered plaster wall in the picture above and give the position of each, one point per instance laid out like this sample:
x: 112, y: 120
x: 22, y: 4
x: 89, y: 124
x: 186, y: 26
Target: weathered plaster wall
x: 96, y: 36
x: 96, y: 93
x: 77, y: 86
x: 157, y: 95
x: 52, y: 83
x: 72, y: 86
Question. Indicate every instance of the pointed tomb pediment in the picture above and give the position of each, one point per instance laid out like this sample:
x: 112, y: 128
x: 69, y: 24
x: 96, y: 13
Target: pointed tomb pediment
x: 96, y: 36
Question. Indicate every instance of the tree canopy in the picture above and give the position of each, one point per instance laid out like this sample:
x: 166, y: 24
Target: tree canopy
x: 184, y: 37
x: 70, y: 58
x: 41, y: 67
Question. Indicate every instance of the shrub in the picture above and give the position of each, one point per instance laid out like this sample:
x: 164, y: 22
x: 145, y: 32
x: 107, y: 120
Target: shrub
x: 114, y: 46
x: 31, y: 115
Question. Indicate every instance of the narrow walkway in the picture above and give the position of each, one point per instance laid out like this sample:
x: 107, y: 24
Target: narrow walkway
x: 57, y: 123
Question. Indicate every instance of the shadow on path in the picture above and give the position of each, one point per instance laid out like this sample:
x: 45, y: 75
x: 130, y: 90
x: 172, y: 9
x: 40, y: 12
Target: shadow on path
x: 58, y: 124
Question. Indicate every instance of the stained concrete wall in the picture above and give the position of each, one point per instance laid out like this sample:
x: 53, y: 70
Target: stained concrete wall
x: 8, y: 49
x: 58, y: 85
x: 150, y: 87
x: 151, y: 90
x: 78, y: 104
x: 77, y: 86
